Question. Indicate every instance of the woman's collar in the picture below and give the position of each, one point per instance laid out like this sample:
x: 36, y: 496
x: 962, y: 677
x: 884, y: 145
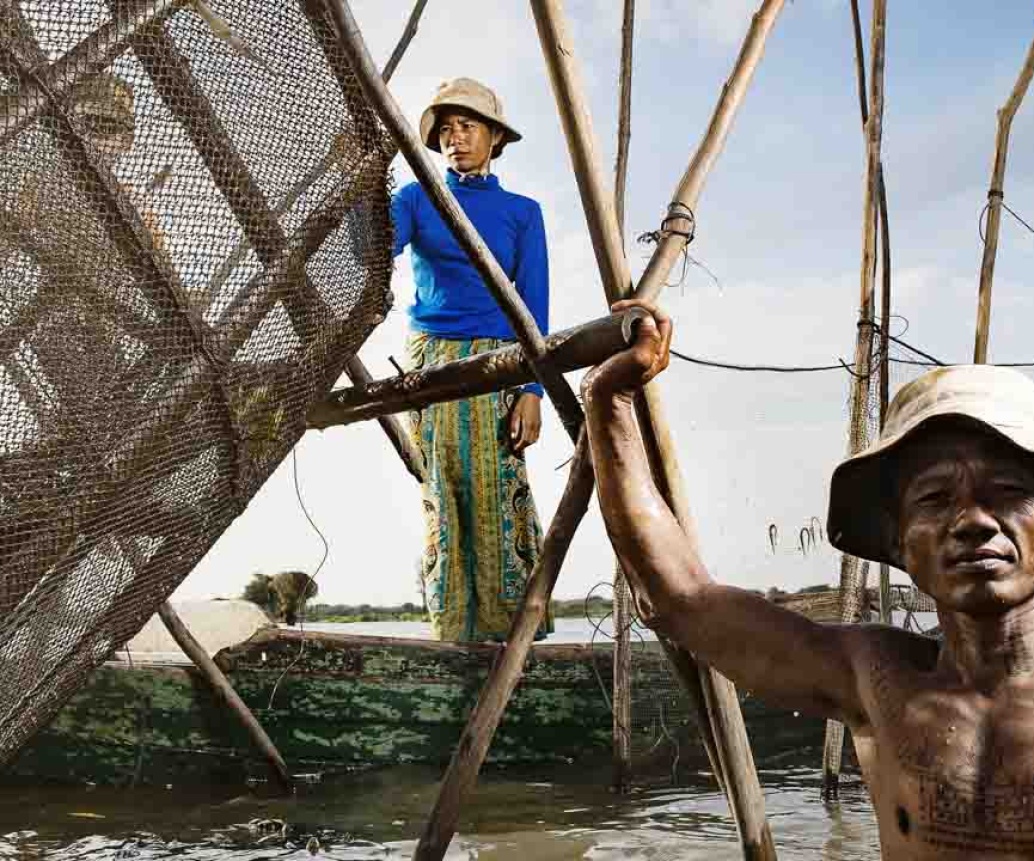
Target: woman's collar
x: 474, y: 181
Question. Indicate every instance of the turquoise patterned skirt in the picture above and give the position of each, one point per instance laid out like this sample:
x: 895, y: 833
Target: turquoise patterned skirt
x: 483, y: 536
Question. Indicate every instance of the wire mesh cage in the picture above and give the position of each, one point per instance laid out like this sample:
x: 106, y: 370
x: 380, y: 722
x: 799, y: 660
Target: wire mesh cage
x: 194, y: 237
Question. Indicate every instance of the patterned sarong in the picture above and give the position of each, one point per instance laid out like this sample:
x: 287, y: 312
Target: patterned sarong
x: 482, y: 531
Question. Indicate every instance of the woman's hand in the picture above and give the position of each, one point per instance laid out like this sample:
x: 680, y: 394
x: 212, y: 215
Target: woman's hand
x: 648, y: 355
x: 525, y: 421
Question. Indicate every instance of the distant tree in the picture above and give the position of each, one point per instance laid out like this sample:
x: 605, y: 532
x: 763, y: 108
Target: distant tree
x: 258, y: 590
x: 291, y: 590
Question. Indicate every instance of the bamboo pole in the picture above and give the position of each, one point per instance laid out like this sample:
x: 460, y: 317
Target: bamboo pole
x: 407, y: 36
x: 886, y: 612
x: 582, y: 346
x: 524, y: 327
x: 995, y: 200
x: 224, y: 690
x: 621, y: 698
x: 858, y: 431
x: 506, y: 671
x: 624, y: 113
x: 411, y: 457
x: 676, y: 224
x: 724, y: 734
x: 885, y: 280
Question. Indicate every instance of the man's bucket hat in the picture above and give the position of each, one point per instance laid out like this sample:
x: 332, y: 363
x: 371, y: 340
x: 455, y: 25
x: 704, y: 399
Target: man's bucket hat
x: 862, y: 508
x: 470, y: 95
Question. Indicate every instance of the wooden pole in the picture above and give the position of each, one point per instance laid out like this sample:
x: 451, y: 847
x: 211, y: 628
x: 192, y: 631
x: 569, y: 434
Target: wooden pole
x: 677, y: 221
x: 400, y: 440
x: 506, y: 671
x: 407, y: 36
x: 886, y: 613
x: 885, y: 281
x: 624, y: 114
x: 412, y: 148
x: 224, y: 691
x: 995, y: 199
x: 851, y: 594
x: 621, y: 698
x: 724, y: 734
x: 570, y: 350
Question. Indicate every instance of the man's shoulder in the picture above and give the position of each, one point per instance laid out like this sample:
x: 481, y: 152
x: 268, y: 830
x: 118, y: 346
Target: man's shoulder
x: 882, y: 647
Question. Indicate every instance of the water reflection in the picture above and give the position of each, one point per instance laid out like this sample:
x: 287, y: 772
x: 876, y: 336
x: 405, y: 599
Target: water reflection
x: 513, y: 817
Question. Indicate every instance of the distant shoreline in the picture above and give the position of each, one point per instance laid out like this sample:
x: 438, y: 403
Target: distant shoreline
x: 594, y: 608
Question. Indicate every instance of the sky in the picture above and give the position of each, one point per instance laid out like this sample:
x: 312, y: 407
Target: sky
x: 778, y: 246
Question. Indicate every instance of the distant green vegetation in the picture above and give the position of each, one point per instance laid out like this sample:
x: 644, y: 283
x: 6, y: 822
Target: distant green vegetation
x: 407, y: 612
x: 595, y: 607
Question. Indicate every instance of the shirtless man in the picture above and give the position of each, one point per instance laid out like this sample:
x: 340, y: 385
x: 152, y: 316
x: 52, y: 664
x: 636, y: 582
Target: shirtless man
x: 944, y: 732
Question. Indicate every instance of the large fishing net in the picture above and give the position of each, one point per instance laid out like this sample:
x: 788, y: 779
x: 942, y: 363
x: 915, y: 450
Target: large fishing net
x: 194, y: 237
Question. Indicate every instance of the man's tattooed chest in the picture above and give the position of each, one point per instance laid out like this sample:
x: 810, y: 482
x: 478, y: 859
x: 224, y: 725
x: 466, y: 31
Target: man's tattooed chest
x: 960, y: 768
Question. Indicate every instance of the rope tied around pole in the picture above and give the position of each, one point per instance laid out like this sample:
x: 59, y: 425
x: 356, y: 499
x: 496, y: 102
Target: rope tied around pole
x: 677, y: 212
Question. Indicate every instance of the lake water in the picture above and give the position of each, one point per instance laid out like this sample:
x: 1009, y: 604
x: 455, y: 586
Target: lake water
x: 547, y: 813
x: 540, y: 816
x: 569, y: 630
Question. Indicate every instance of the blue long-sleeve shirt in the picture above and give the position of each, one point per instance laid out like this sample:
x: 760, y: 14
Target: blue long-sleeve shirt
x: 451, y: 299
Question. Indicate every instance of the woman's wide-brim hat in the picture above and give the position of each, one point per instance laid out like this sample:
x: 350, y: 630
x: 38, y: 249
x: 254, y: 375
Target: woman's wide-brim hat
x: 470, y: 95
x: 863, y: 508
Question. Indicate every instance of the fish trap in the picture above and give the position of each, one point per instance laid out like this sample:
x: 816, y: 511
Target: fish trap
x: 194, y: 237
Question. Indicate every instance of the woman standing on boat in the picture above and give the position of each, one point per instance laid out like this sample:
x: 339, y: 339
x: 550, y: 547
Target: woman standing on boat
x: 482, y: 531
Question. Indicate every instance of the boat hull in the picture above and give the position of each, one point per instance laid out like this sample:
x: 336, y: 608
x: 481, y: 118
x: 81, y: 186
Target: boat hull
x: 333, y: 703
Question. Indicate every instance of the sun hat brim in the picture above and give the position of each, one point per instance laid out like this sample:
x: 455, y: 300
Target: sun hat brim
x: 428, y: 121
x: 862, y: 519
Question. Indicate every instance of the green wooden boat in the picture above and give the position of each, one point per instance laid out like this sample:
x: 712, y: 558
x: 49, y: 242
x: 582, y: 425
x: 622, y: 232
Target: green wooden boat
x: 337, y: 702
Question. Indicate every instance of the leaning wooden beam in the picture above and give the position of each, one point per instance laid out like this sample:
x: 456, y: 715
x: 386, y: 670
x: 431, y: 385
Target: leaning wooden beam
x: 407, y: 36
x: 598, y: 204
x: 597, y: 197
x: 676, y: 231
x: 524, y: 327
x: 506, y: 671
x: 624, y: 113
x: 95, y: 53
x: 724, y: 733
x: 224, y: 690
x: 858, y: 430
x: 572, y: 349
x: 400, y: 440
x: 995, y: 201
x: 679, y: 220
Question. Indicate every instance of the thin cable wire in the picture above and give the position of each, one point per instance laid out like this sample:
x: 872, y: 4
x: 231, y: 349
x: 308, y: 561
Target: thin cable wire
x: 810, y: 369
x: 308, y: 583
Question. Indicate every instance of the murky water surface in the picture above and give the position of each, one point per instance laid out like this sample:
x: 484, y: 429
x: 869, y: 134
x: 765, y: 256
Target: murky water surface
x: 537, y: 816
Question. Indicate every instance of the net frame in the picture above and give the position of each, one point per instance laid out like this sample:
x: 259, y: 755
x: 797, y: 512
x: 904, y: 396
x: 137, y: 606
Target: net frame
x: 146, y: 391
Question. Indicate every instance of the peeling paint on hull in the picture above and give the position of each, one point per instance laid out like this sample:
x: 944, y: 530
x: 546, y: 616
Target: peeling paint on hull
x: 344, y: 702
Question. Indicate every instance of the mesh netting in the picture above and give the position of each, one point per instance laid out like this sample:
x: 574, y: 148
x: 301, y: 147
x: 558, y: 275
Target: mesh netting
x: 194, y: 236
